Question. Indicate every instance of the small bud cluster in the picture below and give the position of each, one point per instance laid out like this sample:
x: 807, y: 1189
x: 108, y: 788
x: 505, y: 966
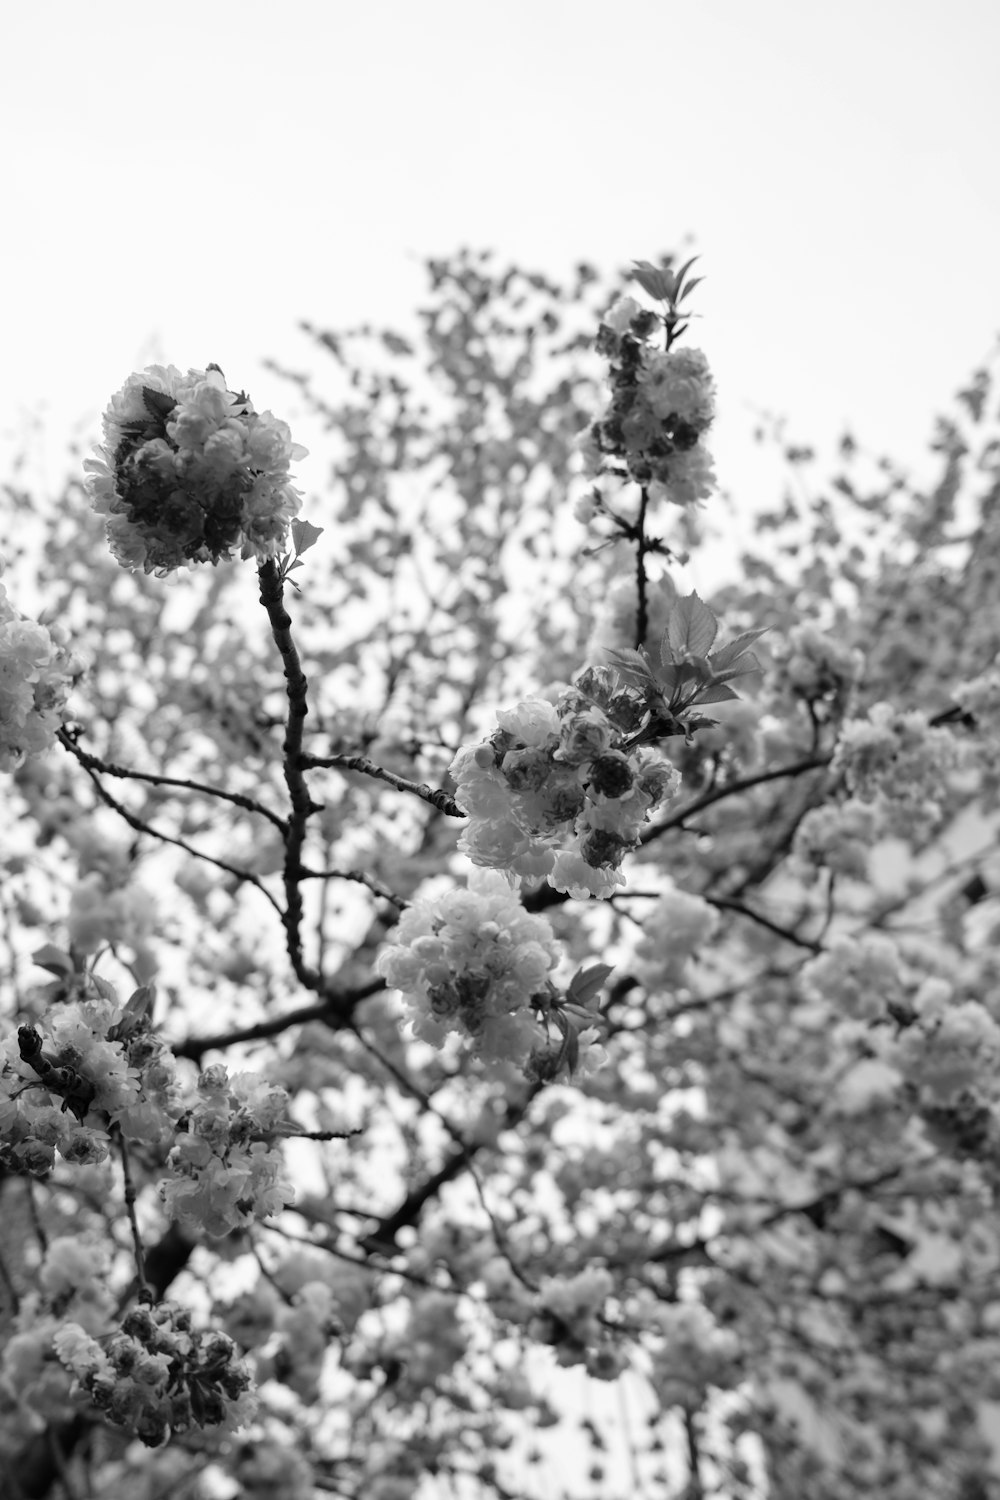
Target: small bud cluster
x: 559, y: 791
x: 37, y: 672
x: 662, y: 404
x: 156, y: 1375
x: 190, y: 472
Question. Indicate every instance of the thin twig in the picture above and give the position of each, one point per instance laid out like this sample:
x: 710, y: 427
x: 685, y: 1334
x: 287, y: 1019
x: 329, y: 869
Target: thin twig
x: 442, y: 800
x: 296, y: 686
x: 145, y: 1293
x: 141, y: 826
x: 95, y: 763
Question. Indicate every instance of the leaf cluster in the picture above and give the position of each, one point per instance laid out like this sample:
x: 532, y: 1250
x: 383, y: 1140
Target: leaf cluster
x: 688, y: 673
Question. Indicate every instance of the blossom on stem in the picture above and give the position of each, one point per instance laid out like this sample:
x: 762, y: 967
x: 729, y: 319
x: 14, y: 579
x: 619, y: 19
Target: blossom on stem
x: 662, y: 404
x: 189, y: 472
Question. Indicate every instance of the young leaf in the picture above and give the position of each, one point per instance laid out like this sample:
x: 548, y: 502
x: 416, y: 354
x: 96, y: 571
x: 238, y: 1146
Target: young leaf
x: 304, y: 535
x: 732, y: 653
x: 658, y: 281
x: 52, y: 958
x: 692, y: 628
x: 586, y: 983
x: 719, y: 692
x: 633, y: 666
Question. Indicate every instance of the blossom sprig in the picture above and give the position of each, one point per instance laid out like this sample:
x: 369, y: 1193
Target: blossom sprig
x: 687, y: 674
x: 558, y: 791
x: 662, y: 399
x: 37, y: 673
x: 190, y: 472
x: 475, y: 962
x: 562, y: 791
x: 157, y: 1375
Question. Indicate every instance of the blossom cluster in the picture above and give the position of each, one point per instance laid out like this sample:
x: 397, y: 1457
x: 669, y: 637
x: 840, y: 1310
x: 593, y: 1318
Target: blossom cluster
x: 695, y: 1354
x: 473, y: 961
x: 819, y: 665
x: 157, y: 1375
x: 569, y: 1316
x: 37, y: 671
x: 674, y: 929
x: 901, y: 763
x: 72, y: 1285
x: 661, y: 406
x: 189, y: 472
x: 225, y: 1167
x: 88, y: 1067
x: 559, y: 790
x: 839, y: 837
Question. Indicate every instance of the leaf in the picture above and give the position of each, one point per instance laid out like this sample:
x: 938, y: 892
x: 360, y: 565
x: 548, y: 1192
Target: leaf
x: 157, y: 403
x: 633, y: 666
x: 690, y: 288
x: 731, y: 654
x: 304, y: 535
x: 658, y: 281
x: 55, y: 960
x: 692, y: 628
x: 586, y: 983
x: 719, y: 692
x: 685, y: 268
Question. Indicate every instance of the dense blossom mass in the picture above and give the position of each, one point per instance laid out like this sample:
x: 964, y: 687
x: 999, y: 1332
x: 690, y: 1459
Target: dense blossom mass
x: 189, y: 472
x: 490, y: 977
x: 37, y: 672
x: 559, y: 791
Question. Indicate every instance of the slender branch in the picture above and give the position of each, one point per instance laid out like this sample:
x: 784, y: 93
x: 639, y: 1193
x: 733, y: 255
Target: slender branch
x: 335, y: 1011
x: 145, y: 1294
x: 95, y: 763
x: 141, y: 826
x: 724, y: 904
x: 696, y: 1489
x: 642, y: 610
x: 360, y: 878
x: 303, y: 806
x: 438, y: 798
x: 730, y: 789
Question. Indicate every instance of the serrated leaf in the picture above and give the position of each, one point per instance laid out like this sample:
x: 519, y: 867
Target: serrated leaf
x: 54, y: 960
x: 658, y: 281
x: 304, y: 535
x: 633, y: 666
x: 685, y: 268
x: 586, y: 983
x: 692, y: 627
x: 719, y: 692
x: 690, y: 288
x: 735, y: 649
x: 157, y: 403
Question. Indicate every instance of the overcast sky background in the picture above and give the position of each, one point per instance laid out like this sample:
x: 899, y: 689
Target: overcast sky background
x: 185, y: 181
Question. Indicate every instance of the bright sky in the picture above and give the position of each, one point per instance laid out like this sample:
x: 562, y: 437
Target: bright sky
x: 184, y: 181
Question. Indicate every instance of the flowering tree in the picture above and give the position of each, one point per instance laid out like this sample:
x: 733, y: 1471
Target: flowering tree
x: 481, y: 1018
